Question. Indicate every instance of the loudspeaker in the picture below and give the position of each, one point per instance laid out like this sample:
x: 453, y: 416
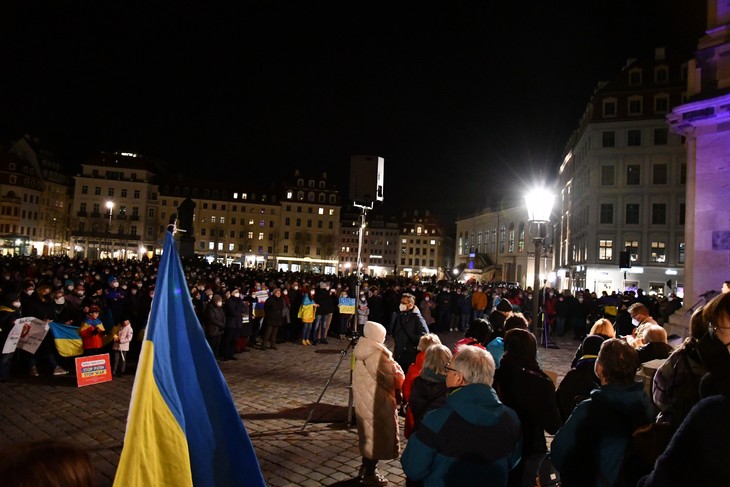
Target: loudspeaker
x: 624, y: 260
x: 366, y: 179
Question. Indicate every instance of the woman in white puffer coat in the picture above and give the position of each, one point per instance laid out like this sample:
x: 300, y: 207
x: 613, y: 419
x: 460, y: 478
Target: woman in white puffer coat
x: 376, y: 383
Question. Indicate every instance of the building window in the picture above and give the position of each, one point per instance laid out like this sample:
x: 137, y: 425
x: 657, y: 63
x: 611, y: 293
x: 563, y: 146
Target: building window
x: 511, y: 247
x: 136, y: 194
x: 230, y: 247
x: 658, y: 252
x: 680, y: 256
x: 97, y: 191
x: 659, y: 214
x: 661, y: 136
x: 635, y: 106
x: 609, y: 107
x: 606, y: 213
x: 682, y: 212
x: 633, y: 174
x: 661, y: 74
x: 661, y: 104
x: 608, y: 139
x: 632, y: 214
x: 633, y: 138
x: 605, y: 250
x: 84, y: 190
x: 521, y: 238
x: 660, y: 173
x: 124, y: 195
x: 502, y: 231
x: 635, y: 77
x: 607, y: 176
x: 632, y: 247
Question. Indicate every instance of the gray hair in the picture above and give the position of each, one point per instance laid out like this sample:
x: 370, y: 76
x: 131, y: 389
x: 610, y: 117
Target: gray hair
x: 476, y: 365
x: 656, y: 334
x: 436, y: 358
x: 427, y: 340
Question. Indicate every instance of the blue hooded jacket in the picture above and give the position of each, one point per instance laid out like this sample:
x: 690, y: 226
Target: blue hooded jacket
x: 473, y: 440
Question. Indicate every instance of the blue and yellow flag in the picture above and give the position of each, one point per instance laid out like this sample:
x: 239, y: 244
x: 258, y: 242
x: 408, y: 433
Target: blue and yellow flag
x: 183, y: 428
x: 67, y: 338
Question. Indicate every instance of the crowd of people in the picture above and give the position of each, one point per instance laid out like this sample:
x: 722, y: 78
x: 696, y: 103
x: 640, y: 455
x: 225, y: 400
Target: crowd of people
x: 475, y: 412
x: 482, y: 410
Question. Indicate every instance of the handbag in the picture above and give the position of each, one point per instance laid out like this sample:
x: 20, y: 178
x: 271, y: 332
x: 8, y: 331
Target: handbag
x: 547, y: 474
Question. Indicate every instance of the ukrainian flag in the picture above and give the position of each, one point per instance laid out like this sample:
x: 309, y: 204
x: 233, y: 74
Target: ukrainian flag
x: 67, y: 338
x: 183, y: 428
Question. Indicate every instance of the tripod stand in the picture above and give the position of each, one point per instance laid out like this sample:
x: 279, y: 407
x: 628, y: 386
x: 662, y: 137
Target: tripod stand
x: 353, y: 341
x: 343, y: 353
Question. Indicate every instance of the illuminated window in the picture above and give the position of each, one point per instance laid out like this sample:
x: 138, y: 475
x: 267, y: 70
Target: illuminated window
x: 211, y: 245
x: 289, y: 194
x: 212, y: 219
x: 658, y: 252
x: 433, y: 242
x: 605, y: 250
x: 320, y: 211
x: 235, y: 195
x: 220, y: 245
x: 332, y: 212
x: 250, y: 222
x: 231, y: 247
x: 250, y: 235
x: 261, y: 235
x: 419, y: 230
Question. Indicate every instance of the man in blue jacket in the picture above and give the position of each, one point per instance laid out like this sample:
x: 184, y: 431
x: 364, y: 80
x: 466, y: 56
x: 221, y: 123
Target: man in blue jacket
x: 474, y: 439
x: 589, y: 449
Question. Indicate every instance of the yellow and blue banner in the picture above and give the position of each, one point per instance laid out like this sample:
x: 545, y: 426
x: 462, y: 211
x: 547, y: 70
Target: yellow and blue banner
x: 183, y: 428
x: 67, y: 339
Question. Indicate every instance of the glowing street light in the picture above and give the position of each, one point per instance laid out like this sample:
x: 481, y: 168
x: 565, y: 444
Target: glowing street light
x: 539, y: 204
x: 110, y: 205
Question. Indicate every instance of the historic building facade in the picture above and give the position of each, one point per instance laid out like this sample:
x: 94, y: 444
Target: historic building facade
x: 622, y: 185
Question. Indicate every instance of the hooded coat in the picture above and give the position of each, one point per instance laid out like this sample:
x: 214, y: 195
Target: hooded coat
x: 375, y: 380
x: 473, y: 440
x: 589, y: 449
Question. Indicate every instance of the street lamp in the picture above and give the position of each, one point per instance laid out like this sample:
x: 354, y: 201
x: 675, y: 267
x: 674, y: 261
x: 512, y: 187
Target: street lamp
x: 539, y: 204
x: 110, y: 205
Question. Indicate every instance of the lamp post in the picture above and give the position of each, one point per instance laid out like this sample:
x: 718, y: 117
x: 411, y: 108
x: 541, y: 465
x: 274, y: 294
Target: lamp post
x: 539, y: 204
x: 110, y: 205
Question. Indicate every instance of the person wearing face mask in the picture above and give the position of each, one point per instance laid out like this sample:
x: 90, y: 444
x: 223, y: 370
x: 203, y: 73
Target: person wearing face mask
x: 233, y: 309
x: 641, y: 320
x: 41, y: 306
x: 426, y: 307
x: 363, y: 313
x: 215, y: 324
x: 115, y: 299
x: 579, y: 317
x: 407, y: 328
x: 76, y: 296
x: 9, y: 312
x: 62, y: 311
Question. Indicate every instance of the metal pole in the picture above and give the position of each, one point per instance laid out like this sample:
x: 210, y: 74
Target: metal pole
x: 536, y: 281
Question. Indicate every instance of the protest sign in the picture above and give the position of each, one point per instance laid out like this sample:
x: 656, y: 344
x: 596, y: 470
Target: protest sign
x: 32, y: 333
x: 347, y: 306
x: 93, y: 370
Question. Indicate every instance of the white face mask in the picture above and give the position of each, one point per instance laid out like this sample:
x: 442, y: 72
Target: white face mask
x: 285, y: 292
x: 634, y: 322
x: 115, y: 284
x: 29, y: 292
x: 60, y: 300
x: 403, y: 307
x: 16, y: 304
x: 427, y: 298
x: 219, y: 303
x: 235, y: 295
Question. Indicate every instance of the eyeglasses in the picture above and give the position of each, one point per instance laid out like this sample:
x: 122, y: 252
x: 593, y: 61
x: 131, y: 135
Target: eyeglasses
x: 450, y: 369
x: 714, y: 328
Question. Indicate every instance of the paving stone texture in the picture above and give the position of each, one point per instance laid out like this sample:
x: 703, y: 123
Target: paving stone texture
x: 274, y: 391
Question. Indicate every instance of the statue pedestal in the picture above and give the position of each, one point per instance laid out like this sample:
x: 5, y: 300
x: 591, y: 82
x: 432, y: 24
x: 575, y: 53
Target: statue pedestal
x: 186, y: 246
x: 679, y: 322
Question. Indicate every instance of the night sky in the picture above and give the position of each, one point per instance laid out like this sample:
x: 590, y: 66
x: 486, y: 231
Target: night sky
x: 466, y: 101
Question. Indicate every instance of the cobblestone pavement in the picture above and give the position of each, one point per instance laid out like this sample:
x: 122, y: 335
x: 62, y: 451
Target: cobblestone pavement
x: 274, y: 391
